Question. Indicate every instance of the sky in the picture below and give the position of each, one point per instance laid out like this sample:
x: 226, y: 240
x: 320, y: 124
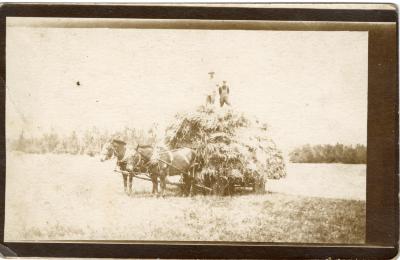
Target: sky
x: 308, y: 86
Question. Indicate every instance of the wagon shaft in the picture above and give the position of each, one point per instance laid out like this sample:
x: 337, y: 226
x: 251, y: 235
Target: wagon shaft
x: 136, y: 175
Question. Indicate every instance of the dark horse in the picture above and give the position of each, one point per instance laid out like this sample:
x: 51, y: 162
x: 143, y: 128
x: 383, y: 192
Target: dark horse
x: 166, y: 163
x: 163, y: 163
x: 118, y: 149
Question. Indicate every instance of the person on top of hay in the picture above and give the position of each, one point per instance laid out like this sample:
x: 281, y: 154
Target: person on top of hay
x: 224, y: 94
x: 211, y: 92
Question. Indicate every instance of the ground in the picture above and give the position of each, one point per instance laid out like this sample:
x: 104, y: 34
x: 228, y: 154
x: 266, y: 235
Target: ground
x: 65, y: 197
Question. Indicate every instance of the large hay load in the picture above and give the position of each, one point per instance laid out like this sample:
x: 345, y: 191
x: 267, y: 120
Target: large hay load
x: 232, y: 149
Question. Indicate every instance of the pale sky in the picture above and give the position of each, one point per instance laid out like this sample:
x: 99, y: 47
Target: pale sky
x: 310, y: 87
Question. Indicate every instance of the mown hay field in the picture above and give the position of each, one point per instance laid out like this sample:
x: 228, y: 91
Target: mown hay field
x: 66, y: 197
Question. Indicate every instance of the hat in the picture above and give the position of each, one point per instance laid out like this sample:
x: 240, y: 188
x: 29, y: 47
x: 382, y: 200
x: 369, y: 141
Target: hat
x: 119, y: 141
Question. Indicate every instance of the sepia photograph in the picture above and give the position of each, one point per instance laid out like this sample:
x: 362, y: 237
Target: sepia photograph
x: 184, y: 131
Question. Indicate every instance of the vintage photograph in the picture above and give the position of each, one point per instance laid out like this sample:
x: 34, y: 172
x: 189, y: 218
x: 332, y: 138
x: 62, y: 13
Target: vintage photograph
x: 123, y: 129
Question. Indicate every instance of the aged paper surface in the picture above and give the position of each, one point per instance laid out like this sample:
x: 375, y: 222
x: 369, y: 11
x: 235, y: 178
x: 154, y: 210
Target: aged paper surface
x: 76, y: 92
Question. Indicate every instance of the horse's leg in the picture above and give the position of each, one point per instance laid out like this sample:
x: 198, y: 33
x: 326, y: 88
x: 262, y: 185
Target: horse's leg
x: 163, y: 183
x: 192, y: 182
x: 153, y: 180
x: 130, y: 183
x: 185, y: 179
x: 182, y: 185
x: 192, y: 187
x: 163, y: 176
x: 125, y: 184
x: 155, y: 183
x: 189, y: 184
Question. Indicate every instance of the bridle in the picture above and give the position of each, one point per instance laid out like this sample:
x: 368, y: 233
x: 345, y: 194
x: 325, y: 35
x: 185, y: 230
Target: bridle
x: 137, y: 164
x: 141, y: 156
x: 107, y: 153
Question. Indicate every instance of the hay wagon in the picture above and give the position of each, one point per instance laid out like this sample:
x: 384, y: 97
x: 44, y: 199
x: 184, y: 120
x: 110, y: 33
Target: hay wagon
x: 234, y: 151
x: 220, y: 186
x: 146, y: 177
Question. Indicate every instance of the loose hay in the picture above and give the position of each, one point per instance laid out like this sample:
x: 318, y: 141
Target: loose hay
x: 229, y: 144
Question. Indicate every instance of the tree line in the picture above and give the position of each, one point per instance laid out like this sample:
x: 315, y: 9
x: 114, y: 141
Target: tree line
x: 327, y: 153
x: 89, y: 142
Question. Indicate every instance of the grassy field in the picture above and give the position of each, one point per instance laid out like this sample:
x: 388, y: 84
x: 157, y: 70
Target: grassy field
x: 65, y: 197
x: 337, y: 181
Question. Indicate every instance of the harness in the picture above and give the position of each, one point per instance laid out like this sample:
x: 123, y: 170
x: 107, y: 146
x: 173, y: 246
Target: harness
x: 126, y: 154
x: 123, y: 161
x: 161, y: 160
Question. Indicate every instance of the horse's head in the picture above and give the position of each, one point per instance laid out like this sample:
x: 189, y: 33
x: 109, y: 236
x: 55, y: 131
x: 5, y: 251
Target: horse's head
x: 139, y: 159
x: 107, y: 151
x: 145, y: 150
x: 119, y: 148
x: 134, y: 162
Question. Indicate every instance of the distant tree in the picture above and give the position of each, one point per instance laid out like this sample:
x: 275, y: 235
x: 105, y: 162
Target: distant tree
x: 50, y: 142
x: 307, y: 154
x: 89, y: 142
x: 361, y: 153
x: 327, y: 153
x: 21, y: 143
x: 72, y: 143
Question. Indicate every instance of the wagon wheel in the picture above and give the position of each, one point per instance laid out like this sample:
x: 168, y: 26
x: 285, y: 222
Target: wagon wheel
x: 185, y: 185
x: 231, y: 187
x: 194, y: 188
x: 220, y: 187
x: 259, y: 185
x: 215, y: 188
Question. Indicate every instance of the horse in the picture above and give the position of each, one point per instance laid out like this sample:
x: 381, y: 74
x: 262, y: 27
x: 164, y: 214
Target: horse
x: 118, y: 149
x: 163, y: 163
x: 107, y: 152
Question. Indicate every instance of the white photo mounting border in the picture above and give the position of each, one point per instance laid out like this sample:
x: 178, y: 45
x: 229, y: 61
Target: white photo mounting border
x: 382, y: 154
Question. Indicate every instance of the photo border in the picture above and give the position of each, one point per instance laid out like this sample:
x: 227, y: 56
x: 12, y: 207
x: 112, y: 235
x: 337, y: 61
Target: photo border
x: 382, y: 210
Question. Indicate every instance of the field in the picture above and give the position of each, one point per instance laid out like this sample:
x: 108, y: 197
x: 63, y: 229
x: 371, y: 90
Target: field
x: 65, y: 197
